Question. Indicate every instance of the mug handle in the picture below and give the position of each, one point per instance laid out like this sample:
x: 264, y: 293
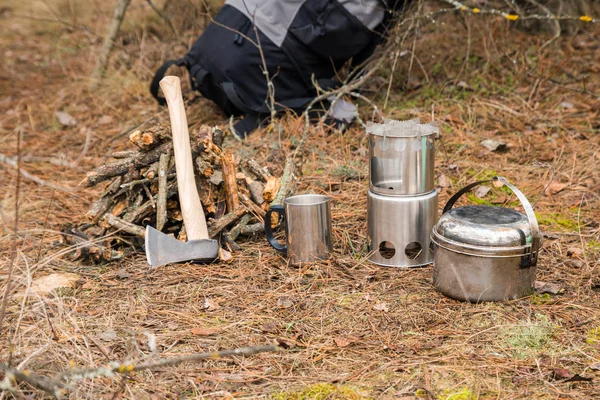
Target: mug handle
x: 536, y: 237
x: 278, y: 209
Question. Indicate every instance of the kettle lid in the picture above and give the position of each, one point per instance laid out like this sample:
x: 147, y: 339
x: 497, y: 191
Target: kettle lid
x: 485, y: 226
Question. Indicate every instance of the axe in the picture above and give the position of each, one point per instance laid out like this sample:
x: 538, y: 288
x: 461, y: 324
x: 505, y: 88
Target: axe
x: 163, y: 249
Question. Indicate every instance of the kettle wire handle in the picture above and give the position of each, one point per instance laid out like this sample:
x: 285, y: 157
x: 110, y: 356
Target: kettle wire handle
x: 536, y: 237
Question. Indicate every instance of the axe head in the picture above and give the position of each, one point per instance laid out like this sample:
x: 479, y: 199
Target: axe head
x: 162, y: 249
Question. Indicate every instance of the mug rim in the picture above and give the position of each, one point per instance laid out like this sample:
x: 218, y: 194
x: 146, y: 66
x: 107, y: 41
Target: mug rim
x: 319, y: 199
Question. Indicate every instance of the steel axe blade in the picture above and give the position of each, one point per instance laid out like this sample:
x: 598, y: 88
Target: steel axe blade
x: 162, y: 249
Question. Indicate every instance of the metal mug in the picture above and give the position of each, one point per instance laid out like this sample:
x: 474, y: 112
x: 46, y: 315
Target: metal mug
x: 307, y: 221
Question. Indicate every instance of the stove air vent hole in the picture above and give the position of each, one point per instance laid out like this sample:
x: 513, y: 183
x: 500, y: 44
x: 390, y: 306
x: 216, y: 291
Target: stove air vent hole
x: 387, y: 250
x: 413, y: 250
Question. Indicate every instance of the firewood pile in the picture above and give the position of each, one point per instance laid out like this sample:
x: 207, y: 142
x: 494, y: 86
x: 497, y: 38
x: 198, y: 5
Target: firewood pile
x: 140, y: 188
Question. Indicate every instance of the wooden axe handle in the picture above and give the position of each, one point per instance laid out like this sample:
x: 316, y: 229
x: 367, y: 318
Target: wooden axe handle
x: 191, y: 207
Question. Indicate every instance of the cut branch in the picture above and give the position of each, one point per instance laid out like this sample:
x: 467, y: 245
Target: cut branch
x: 229, y: 181
x: 125, y: 226
x: 161, y: 202
x: 56, y: 386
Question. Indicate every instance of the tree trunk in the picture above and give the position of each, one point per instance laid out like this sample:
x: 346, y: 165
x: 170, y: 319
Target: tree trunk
x: 109, y: 41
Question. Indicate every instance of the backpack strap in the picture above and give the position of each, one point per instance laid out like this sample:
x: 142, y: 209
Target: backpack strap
x: 160, y: 73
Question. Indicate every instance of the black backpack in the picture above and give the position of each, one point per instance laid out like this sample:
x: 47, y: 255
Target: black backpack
x: 301, y: 41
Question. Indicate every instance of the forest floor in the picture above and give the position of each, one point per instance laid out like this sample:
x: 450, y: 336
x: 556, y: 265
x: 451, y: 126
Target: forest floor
x: 348, y: 328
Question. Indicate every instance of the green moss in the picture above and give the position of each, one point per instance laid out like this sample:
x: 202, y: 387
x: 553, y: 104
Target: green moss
x: 460, y: 394
x: 476, y: 200
x: 437, y: 69
x: 421, y: 393
x: 525, y: 340
x: 556, y: 220
x: 540, y: 299
x: 481, y: 174
x: 593, y: 245
x: 593, y: 336
x: 322, y: 391
x: 348, y: 172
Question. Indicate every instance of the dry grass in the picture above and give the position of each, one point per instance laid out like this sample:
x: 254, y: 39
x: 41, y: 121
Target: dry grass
x: 338, y: 345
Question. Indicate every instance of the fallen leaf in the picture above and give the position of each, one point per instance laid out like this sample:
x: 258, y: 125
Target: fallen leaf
x: 498, y: 184
x: 203, y: 331
x: 344, y: 341
x: 107, y: 336
x: 216, y: 178
x: 430, y: 345
x: 225, y: 255
x: 172, y: 325
x: 122, y: 274
x: 414, y: 83
x: 551, y: 288
x: 88, y: 285
x: 463, y: 85
x: 578, y: 378
x: 493, y: 145
x: 151, y: 341
x: 561, y: 373
x: 46, y: 284
x: 269, y: 327
x: 210, y: 304
x: 444, y: 181
x: 574, y: 252
x: 564, y: 375
x: 82, y: 107
x: 595, y: 367
x: 555, y: 187
x: 105, y: 120
x: 284, y: 344
x: 482, y: 191
x: 544, y: 360
x: 361, y: 151
x: 452, y: 167
x: 381, y: 307
x: 284, y: 302
x: 566, y: 105
x: 65, y: 118
x: 96, y: 311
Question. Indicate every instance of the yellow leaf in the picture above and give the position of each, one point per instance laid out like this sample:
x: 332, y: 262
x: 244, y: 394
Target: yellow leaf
x: 511, y: 17
x: 476, y: 10
x: 586, y: 18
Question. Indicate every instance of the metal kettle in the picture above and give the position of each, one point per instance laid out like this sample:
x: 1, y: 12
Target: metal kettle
x: 485, y: 253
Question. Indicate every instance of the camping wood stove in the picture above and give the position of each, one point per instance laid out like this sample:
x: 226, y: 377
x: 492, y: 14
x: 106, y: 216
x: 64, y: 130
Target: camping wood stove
x: 402, y: 200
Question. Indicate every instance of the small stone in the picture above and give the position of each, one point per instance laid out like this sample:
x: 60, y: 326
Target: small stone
x: 493, y: 145
x: 577, y: 263
x: 65, y: 118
